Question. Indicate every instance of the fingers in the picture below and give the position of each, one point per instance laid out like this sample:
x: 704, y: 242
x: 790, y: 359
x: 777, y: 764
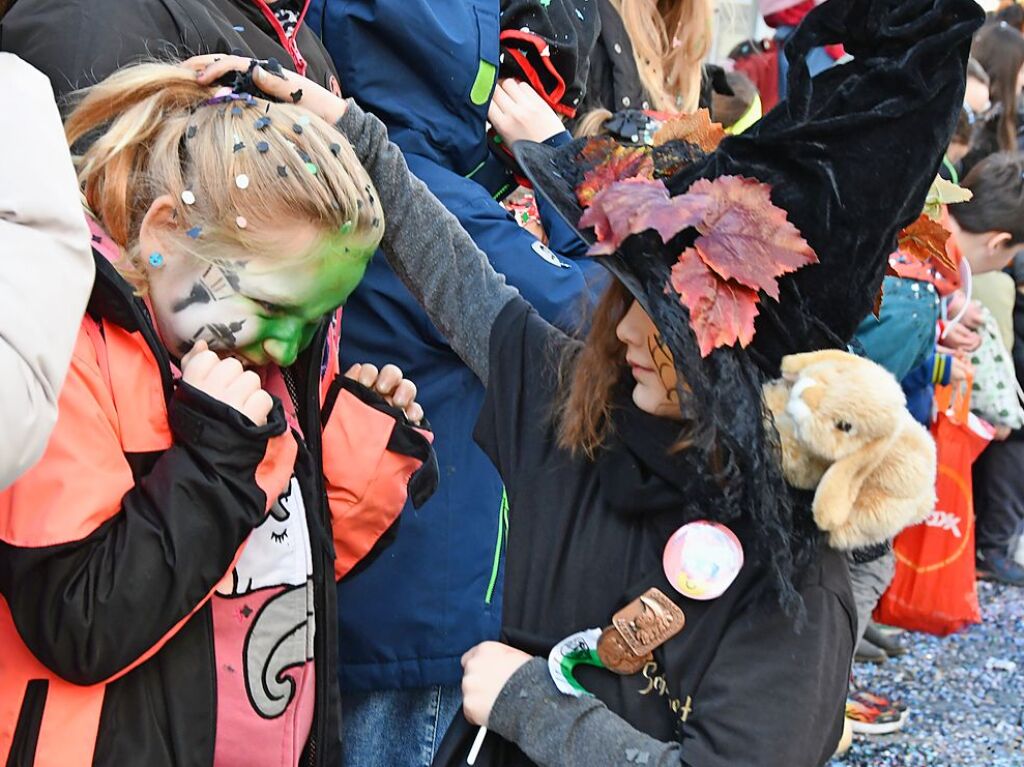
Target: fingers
x: 414, y: 413
x: 353, y: 372
x: 404, y: 394
x: 502, y: 98
x: 257, y: 407
x: 388, y: 381
x: 197, y: 347
x: 223, y: 374
x: 495, y: 116
x: 367, y: 375
x: 199, y: 367
x: 241, y: 389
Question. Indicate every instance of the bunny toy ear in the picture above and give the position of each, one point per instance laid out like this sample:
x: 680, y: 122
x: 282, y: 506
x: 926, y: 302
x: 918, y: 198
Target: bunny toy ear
x: 838, y: 493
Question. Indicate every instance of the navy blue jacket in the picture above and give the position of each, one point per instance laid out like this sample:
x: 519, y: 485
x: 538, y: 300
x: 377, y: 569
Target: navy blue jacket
x: 427, y: 70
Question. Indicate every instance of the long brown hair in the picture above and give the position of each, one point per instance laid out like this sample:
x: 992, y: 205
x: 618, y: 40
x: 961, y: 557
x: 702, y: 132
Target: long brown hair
x: 588, y: 376
x: 999, y: 48
x: 157, y: 135
x: 670, y: 39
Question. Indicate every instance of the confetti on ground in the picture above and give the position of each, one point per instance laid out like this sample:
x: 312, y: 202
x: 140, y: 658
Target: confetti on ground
x: 965, y: 692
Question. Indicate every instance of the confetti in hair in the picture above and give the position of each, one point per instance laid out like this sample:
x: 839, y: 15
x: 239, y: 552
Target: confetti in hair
x: 188, y: 197
x: 242, y: 181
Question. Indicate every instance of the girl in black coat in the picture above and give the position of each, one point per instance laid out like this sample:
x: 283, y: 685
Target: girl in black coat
x: 608, y: 446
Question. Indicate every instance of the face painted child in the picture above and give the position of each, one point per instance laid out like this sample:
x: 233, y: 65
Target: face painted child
x: 650, y: 362
x: 261, y: 309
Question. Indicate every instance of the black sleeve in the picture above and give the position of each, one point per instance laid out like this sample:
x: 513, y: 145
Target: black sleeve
x: 516, y: 425
x: 91, y: 608
x: 733, y: 719
x: 77, y: 43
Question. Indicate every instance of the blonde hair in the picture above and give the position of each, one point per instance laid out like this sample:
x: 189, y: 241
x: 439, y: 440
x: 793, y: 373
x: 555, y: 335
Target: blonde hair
x: 230, y: 173
x: 592, y: 123
x: 670, y: 39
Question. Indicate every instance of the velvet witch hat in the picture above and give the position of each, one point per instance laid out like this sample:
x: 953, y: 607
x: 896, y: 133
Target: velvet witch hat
x: 848, y: 158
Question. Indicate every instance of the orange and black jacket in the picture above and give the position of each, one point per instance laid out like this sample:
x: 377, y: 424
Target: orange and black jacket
x: 111, y: 547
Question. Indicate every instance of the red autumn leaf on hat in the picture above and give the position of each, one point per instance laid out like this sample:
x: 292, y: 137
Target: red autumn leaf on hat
x: 744, y: 244
x: 610, y: 162
x: 722, y: 312
x: 925, y: 239
x: 613, y: 209
x: 693, y: 128
x: 744, y: 237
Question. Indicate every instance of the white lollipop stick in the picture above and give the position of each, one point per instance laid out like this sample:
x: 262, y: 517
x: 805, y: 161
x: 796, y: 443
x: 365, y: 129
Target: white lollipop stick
x: 478, y: 743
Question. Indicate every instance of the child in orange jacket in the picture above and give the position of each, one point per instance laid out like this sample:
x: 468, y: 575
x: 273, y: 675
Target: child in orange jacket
x: 166, y: 569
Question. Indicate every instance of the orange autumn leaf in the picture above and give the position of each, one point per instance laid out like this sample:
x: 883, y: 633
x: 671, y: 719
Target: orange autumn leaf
x: 926, y: 239
x: 722, y: 312
x: 610, y: 162
x: 694, y: 128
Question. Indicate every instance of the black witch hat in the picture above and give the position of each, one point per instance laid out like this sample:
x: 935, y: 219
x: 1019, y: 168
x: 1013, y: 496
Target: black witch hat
x: 849, y: 157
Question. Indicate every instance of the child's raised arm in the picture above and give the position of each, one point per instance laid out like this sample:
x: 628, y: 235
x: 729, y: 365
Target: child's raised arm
x: 424, y: 243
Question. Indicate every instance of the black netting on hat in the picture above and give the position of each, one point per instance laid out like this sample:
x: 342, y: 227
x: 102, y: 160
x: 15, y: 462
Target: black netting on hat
x: 850, y: 156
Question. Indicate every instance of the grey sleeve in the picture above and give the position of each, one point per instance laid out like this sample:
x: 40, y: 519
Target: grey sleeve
x: 556, y: 729
x: 428, y: 248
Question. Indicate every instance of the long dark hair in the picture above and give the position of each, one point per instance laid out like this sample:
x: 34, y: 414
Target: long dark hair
x: 999, y: 48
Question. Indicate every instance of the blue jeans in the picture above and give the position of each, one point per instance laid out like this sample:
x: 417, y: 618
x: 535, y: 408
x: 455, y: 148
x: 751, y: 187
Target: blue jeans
x: 396, y: 728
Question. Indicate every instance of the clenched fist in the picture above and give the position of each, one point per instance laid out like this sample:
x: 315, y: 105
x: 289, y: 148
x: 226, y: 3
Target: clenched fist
x: 227, y: 381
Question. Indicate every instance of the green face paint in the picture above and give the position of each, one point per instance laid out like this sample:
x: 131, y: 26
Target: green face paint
x: 263, y: 309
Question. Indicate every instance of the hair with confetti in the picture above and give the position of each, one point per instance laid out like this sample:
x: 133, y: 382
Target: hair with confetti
x: 233, y: 165
x: 670, y: 39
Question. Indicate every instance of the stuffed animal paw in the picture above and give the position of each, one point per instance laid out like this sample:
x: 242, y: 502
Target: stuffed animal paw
x: 845, y: 430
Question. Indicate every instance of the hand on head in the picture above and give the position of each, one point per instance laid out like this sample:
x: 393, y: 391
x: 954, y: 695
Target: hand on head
x: 227, y: 381
x: 517, y: 112
x: 282, y: 84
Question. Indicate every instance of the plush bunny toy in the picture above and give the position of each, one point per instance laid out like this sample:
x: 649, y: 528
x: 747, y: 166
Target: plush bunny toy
x: 845, y: 430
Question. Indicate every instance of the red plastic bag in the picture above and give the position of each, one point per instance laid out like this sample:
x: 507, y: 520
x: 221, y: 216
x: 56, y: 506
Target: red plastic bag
x: 934, y: 589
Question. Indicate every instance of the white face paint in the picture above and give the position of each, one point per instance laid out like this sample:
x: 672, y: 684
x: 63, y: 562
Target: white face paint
x: 262, y: 310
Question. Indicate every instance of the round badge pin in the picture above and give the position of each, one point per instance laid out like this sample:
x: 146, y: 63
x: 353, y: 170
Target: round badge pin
x: 702, y: 559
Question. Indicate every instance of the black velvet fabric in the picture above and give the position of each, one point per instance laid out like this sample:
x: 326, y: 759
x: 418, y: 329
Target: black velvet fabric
x: 850, y: 156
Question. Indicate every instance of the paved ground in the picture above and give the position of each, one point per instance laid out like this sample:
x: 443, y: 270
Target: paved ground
x: 966, y: 694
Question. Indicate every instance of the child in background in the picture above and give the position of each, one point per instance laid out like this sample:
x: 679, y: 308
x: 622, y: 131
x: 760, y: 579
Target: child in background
x: 999, y: 49
x: 989, y: 230
x: 166, y: 569
x: 738, y: 112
